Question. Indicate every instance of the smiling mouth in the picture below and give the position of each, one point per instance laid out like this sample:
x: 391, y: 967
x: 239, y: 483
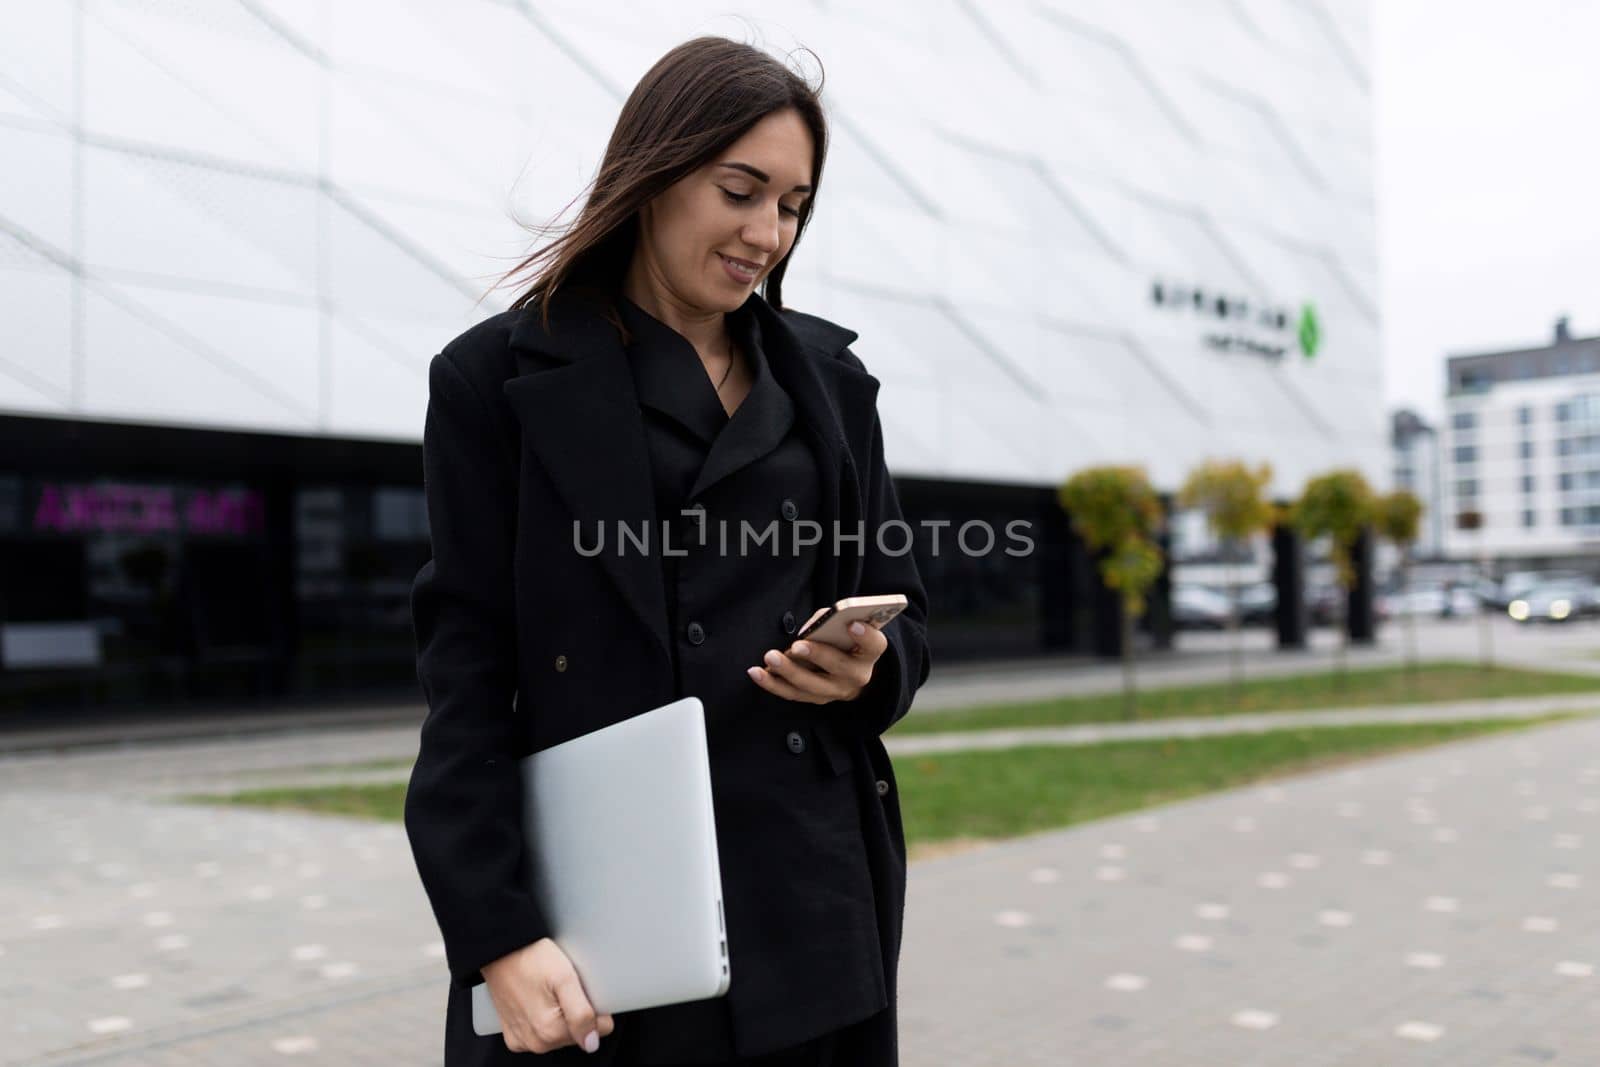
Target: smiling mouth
x: 743, y: 265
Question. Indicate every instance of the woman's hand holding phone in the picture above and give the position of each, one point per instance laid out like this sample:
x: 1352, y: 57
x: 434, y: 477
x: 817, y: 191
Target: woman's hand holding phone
x: 541, y: 1002
x: 813, y: 672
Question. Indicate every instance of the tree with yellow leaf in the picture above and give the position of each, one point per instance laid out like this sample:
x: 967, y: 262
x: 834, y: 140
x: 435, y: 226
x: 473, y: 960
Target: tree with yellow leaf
x: 1397, y: 516
x: 1233, y: 497
x: 1338, y: 504
x: 1118, y: 514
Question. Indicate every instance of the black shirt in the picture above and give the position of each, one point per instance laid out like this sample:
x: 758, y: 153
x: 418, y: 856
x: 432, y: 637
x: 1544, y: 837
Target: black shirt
x: 739, y: 579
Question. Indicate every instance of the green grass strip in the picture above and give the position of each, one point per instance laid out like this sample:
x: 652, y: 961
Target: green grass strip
x: 995, y: 794
x: 1004, y: 793
x: 1440, y: 682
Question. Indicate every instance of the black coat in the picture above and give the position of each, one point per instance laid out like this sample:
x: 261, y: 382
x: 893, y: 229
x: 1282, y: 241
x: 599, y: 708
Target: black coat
x: 801, y: 901
x: 524, y: 643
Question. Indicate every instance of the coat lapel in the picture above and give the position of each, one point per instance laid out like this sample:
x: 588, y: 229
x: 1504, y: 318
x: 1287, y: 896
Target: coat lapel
x: 837, y: 411
x: 758, y: 425
x: 581, y: 418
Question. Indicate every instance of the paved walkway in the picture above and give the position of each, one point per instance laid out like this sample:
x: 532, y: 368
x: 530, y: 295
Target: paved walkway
x: 1432, y: 907
x: 1426, y: 908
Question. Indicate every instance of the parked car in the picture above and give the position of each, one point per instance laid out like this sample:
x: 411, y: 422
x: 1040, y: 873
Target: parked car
x: 1258, y: 604
x: 1434, y: 600
x: 1464, y: 600
x: 1487, y: 592
x: 1199, y: 607
x: 1426, y: 600
x: 1553, y: 602
x: 1324, y: 603
x: 1517, y: 584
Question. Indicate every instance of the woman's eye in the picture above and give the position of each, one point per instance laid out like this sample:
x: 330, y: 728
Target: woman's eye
x: 740, y: 198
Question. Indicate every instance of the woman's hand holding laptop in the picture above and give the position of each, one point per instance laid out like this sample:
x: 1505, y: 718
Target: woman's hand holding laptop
x: 541, y: 1002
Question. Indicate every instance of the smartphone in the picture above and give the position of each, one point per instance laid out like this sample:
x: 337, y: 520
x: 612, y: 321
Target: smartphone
x: 831, y: 624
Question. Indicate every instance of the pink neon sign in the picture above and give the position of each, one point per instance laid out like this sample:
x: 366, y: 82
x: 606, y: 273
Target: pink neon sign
x: 120, y: 508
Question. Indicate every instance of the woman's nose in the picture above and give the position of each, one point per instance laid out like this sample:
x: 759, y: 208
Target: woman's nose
x: 763, y: 236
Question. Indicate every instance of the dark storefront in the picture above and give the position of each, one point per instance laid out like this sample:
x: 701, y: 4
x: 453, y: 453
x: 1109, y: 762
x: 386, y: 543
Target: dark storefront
x: 151, y: 566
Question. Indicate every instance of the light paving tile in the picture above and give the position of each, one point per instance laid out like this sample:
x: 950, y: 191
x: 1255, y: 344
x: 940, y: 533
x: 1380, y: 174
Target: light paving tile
x: 1416, y: 1030
x: 296, y: 1045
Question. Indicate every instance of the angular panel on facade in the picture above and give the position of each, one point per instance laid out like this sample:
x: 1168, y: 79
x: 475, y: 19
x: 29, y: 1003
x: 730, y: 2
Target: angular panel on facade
x: 158, y: 216
x: 36, y: 200
x: 139, y: 366
x: 36, y: 55
x: 36, y: 309
x: 373, y: 393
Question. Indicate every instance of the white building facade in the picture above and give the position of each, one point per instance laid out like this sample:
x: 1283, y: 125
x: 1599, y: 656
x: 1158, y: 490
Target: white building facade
x: 1523, y: 454
x: 1417, y: 470
x: 1068, y: 233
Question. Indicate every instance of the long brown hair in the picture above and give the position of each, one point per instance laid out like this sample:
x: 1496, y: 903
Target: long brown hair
x: 698, y: 99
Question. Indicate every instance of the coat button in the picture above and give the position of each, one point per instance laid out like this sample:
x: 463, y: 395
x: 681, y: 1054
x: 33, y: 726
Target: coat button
x: 787, y: 622
x: 797, y: 744
x: 883, y: 788
x: 561, y: 663
x: 697, y: 633
x: 790, y: 512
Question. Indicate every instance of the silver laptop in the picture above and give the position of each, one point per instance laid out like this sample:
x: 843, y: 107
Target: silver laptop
x: 623, y: 856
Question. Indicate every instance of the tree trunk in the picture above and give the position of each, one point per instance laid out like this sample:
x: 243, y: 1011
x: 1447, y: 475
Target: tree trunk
x: 1343, y: 621
x: 1485, y: 639
x: 1130, y: 709
x: 1236, y: 636
x: 1411, y: 622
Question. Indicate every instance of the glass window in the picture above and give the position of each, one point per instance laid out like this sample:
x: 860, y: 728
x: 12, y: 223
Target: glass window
x: 169, y: 573
x: 360, y: 547
x: 1527, y: 483
x: 1466, y: 453
x: 1464, y: 420
x: 1525, y: 449
x: 1524, y: 415
x: 1527, y: 517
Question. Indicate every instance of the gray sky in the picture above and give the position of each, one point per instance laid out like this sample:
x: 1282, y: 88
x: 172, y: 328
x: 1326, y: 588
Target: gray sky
x: 1488, y: 180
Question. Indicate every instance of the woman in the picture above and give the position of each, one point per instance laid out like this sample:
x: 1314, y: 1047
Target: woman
x: 643, y: 381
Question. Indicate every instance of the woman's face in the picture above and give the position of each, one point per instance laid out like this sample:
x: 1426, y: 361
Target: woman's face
x: 743, y: 206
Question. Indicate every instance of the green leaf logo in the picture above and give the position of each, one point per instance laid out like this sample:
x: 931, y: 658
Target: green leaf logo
x: 1310, y: 330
